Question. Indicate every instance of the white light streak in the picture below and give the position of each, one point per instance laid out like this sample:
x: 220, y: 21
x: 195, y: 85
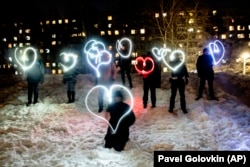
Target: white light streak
x: 109, y: 93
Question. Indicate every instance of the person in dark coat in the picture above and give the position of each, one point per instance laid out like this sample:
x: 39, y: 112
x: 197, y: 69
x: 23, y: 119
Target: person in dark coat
x: 204, y: 66
x: 117, y: 109
x: 178, y: 80
x: 125, y: 66
x: 70, y: 79
x: 34, y: 77
x: 151, y: 81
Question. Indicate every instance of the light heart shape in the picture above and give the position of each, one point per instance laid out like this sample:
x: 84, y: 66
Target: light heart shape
x: 141, y: 64
x: 67, y: 58
x: 21, y: 59
x: 119, y: 44
x: 97, y: 55
x: 160, y: 53
x: 170, y: 57
x: 109, y: 96
x: 217, y: 51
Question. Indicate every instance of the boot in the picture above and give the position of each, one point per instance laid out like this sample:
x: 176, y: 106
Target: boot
x: 69, y: 96
x: 73, y: 96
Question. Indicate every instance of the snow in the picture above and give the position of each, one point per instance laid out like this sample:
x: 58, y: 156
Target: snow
x: 53, y: 133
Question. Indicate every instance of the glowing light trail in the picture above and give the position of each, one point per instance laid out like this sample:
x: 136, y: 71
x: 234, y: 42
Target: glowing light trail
x: 171, y: 57
x: 109, y: 93
x: 23, y: 58
x: 119, y: 45
x: 217, y: 51
x: 97, y: 55
x: 67, y: 57
x: 141, y: 70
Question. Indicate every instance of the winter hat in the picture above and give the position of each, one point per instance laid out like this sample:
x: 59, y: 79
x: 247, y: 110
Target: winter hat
x: 118, y: 93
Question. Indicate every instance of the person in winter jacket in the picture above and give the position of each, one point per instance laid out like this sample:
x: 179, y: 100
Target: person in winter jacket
x: 70, y: 79
x: 117, y: 109
x: 151, y: 81
x: 178, y: 80
x: 204, y: 66
x: 125, y: 66
x: 34, y: 77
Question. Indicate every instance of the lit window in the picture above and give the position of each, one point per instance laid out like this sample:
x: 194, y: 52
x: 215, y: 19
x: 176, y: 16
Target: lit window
x: 231, y: 28
x: 248, y: 35
x: 41, y: 51
x: 9, y: 45
x: 59, y: 21
x: 53, y: 64
x: 240, y: 36
x: 53, y: 35
x: 41, y: 23
x: 4, y: 39
x: 109, y: 17
x: 109, y: 33
x: 240, y: 28
x: 191, y: 14
x: 248, y: 27
x: 83, y: 34
x: 157, y: 15
x: 116, y: 32
x: 53, y: 43
x: 20, y: 31
x: 102, y: 33
x: 230, y: 35
x: 191, y: 21
x: 15, y: 38
x: 74, y: 20
x: 47, y: 64
x: 27, y: 31
x: 53, y: 71
x: 53, y: 22
x: 109, y: 25
x: 223, y: 36
x: 95, y: 25
x: 47, y: 21
x: 215, y: 28
x: 164, y: 14
x: 26, y: 44
x: 133, y: 32
x: 142, y: 31
x: 199, y: 36
x: 27, y: 38
x: 66, y: 21
x: 59, y: 71
x: 181, y: 14
x: 191, y: 30
x: 214, y: 12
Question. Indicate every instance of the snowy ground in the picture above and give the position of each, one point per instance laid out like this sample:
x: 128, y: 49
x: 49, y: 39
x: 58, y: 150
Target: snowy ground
x: 53, y: 133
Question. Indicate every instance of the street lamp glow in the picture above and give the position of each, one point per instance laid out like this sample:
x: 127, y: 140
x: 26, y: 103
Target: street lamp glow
x: 245, y: 56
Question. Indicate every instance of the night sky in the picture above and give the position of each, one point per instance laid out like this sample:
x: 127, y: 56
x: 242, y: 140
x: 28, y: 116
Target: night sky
x: 47, y: 8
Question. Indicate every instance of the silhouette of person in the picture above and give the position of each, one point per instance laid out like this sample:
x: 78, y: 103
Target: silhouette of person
x: 125, y: 66
x: 117, y: 109
x: 178, y: 80
x: 204, y: 66
x: 34, y: 77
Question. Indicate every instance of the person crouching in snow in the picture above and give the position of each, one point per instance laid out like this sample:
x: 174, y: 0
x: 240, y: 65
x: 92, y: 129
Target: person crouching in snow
x: 117, y: 109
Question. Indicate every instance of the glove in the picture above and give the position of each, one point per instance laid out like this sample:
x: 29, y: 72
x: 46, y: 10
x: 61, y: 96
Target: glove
x: 186, y: 81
